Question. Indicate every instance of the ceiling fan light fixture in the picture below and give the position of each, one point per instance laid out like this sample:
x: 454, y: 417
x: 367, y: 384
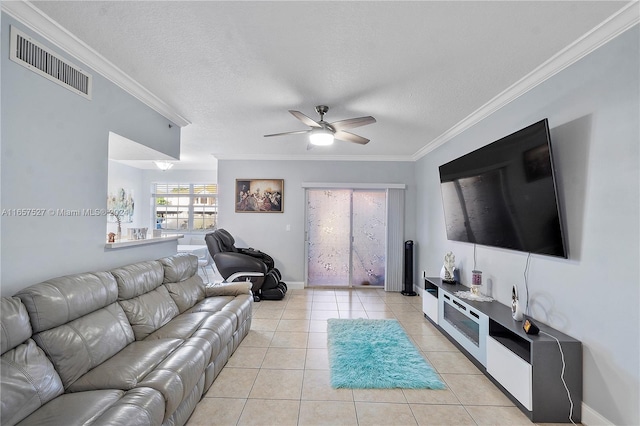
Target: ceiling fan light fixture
x: 323, y: 133
x: 321, y: 137
x: 163, y: 165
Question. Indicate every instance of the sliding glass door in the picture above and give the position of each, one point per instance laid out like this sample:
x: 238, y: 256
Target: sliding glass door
x: 368, y: 237
x: 345, y: 235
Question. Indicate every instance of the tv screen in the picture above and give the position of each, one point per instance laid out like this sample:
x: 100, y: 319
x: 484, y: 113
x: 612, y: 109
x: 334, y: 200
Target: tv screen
x: 504, y: 194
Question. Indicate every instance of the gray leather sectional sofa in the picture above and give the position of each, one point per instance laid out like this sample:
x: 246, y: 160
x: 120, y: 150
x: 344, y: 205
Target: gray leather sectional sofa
x: 138, y: 345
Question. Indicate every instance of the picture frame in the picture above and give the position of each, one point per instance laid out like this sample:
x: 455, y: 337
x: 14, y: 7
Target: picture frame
x: 259, y: 196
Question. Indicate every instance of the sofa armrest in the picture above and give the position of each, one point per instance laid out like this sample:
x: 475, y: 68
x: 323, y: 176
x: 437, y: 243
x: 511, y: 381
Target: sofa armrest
x: 232, y: 289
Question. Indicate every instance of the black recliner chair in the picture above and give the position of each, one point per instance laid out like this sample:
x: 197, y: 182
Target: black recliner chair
x: 237, y: 263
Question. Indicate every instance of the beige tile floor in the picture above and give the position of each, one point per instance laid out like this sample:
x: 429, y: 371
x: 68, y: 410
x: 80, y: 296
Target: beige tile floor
x: 280, y: 373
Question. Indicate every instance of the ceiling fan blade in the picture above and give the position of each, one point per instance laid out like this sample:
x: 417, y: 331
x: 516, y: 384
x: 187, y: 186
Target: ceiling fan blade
x: 350, y: 137
x: 306, y: 120
x: 297, y: 132
x: 350, y: 123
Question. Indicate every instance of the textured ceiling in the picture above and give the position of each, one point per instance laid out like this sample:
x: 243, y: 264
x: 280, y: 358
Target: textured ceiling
x: 234, y: 68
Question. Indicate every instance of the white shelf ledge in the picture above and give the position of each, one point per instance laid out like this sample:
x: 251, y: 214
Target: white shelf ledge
x: 153, y: 240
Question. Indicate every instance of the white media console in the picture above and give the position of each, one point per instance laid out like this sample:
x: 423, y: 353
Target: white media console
x: 526, y: 367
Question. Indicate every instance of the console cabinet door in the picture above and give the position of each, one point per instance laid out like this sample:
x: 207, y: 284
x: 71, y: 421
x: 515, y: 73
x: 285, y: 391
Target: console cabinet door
x: 430, y: 306
x: 511, y: 371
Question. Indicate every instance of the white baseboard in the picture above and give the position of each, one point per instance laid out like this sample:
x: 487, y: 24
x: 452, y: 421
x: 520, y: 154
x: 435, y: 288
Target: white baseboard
x: 297, y: 285
x: 591, y: 417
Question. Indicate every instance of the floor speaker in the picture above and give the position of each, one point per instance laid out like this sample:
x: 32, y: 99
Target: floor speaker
x: 408, y: 269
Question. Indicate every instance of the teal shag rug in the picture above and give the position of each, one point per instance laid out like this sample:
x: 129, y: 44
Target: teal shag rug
x: 376, y: 354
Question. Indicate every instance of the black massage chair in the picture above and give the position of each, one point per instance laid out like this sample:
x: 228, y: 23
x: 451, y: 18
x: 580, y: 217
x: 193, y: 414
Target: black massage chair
x: 235, y: 263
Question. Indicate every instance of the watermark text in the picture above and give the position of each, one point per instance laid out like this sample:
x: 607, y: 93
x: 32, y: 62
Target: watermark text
x: 58, y: 212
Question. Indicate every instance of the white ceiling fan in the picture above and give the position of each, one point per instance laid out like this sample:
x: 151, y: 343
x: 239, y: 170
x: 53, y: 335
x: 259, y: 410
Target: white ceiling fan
x: 323, y: 133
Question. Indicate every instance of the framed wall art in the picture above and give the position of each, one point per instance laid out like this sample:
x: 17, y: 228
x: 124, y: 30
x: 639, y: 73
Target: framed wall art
x: 259, y: 195
x: 121, y: 204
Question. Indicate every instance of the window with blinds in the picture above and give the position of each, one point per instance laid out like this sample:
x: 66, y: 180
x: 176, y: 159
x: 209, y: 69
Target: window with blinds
x: 185, y: 207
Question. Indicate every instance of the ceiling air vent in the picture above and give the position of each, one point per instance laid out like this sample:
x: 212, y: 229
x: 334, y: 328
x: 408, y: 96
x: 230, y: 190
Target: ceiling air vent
x: 41, y: 60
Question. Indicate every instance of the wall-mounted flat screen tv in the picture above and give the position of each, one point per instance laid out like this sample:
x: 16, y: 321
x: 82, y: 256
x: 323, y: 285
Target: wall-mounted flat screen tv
x: 504, y: 194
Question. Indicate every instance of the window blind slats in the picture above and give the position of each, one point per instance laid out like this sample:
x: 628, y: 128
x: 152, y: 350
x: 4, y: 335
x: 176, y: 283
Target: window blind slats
x: 185, y: 207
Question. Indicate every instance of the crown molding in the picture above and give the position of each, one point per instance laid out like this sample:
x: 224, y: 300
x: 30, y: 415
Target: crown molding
x: 616, y: 24
x: 54, y: 33
x: 267, y: 157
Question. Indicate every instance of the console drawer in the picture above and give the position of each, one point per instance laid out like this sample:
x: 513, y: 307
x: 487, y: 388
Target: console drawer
x: 513, y: 373
x: 430, y: 306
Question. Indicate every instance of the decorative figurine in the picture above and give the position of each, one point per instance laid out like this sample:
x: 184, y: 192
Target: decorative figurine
x: 112, y: 237
x: 448, y: 270
x: 516, y: 309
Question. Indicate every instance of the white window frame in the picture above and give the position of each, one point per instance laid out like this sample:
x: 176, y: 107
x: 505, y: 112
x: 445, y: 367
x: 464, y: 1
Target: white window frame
x: 191, y: 196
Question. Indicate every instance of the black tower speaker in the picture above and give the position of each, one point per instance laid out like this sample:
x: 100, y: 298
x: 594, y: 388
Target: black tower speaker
x: 408, y: 269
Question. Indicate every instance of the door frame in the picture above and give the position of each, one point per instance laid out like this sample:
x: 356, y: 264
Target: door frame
x: 372, y: 186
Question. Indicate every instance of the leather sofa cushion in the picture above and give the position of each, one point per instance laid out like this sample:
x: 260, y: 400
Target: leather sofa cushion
x: 240, y: 308
x: 84, y: 343
x: 150, y: 311
x: 138, y: 407
x: 179, y: 267
x: 181, y: 327
x: 60, y: 300
x: 210, y: 304
x: 207, y: 342
x: 222, y: 325
x: 138, y: 278
x: 187, y: 293
x: 188, y: 405
x: 237, y: 308
x: 15, y: 326
x: 177, y: 375
x: 128, y: 367
x: 28, y: 381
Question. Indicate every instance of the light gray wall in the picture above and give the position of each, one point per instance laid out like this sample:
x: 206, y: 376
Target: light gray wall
x: 54, y: 156
x: 593, y: 110
x: 267, y: 231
